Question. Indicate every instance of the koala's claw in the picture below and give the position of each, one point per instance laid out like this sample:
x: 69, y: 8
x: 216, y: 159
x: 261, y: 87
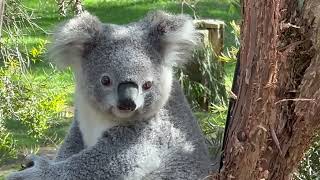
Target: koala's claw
x: 26, y: 165
x: 32, y: 169
x: 37, y: 160
x: 29, y: 162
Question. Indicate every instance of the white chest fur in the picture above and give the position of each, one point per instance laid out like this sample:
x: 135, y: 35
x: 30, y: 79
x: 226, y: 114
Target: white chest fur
x: 92, y: 124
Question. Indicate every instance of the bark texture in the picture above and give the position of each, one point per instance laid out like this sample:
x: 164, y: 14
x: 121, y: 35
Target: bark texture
x: 277, y: 111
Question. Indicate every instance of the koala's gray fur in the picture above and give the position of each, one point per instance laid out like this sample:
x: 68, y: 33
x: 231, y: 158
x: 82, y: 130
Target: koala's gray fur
x: 159, y: 138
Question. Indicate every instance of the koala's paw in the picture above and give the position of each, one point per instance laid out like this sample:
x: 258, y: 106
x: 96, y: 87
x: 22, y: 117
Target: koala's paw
x: 26, y: 165
x: 35, y: 172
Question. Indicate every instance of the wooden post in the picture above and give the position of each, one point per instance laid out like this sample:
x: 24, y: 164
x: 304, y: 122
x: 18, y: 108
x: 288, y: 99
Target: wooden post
x: 212, y: 31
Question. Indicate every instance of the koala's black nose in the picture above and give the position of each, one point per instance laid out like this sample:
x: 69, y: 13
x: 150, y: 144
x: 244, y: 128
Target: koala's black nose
x: 127, y: 105
x: 127, y: 93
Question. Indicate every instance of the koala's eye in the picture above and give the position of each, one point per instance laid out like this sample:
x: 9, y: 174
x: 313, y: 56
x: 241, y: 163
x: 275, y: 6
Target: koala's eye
x: 105, y: 80
x: 147, y: 85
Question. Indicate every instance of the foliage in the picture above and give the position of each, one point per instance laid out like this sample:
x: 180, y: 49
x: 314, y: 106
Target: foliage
x: 203, y: 80
x: 16, y: 22
x: 29, y: 101
x: 37, y: 52
x: 212, y: 125
x: 210, y: 84
x: 231, y: 54
x: 14, y: 17
x: 309, y: 168
x: 234, y: 6
x: 25, y: 99
x: 7, y: 144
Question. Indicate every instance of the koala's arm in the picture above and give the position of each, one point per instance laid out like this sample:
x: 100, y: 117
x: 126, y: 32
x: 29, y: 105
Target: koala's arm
x: 180, y: 165
x: 183, y: 161
x: 110, y: 158
x: 72, y: 144
x: 115, y: 157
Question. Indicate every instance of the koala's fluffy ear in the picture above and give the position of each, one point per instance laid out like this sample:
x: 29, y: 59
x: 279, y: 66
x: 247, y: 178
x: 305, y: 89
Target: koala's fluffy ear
x: 74, y: 38
x: 174, y: 36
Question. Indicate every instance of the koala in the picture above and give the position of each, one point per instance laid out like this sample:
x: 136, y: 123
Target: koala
x: 132, y: 120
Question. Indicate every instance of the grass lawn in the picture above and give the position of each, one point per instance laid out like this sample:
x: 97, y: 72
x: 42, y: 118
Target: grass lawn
x: 111, y: 11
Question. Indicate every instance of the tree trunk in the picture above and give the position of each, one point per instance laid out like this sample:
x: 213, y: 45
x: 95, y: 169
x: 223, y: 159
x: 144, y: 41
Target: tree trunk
x: 2, y: 3
x: 277, y: 111
x: 78, y: 6
x: 62, y: 8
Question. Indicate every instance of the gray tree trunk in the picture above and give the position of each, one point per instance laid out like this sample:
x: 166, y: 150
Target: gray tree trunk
x: 2, y: 5
x: 78, y: 6
x: 277, y: 111
x: 62, y: 7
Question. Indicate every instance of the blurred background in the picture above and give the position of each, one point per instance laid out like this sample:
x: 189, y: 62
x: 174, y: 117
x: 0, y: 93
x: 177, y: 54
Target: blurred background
x: 36, y: 99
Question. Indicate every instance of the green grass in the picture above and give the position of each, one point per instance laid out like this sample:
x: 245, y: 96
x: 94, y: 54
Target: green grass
x: 27, y: 144
x: 124, y: 11
x: 57, y: 79
x: 54, y: 80
x: 54, y: 134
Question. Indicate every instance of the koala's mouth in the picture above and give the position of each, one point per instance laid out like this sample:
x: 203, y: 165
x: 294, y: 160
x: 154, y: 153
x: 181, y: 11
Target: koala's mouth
x: 122, y: 113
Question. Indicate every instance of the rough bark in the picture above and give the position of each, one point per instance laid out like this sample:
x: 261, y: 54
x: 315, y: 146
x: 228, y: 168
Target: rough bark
x: 277, y: 111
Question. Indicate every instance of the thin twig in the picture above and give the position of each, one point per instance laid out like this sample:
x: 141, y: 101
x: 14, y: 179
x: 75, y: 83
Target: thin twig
x: 296, y: 99
x: 276, y: 140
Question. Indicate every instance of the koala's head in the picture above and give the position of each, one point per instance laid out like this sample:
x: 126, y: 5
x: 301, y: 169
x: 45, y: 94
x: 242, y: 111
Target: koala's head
x: 125, y: 71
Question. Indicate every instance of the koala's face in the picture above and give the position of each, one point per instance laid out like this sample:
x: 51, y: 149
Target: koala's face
x: 123, y: 75
x: 125, y: 71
